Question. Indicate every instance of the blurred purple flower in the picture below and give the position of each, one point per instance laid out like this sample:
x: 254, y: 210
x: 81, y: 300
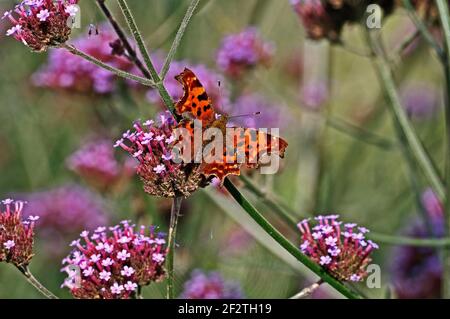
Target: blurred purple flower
x: 209, y: 79
x: 210, y: 286
x: 270, y: 114
x: 242, y: 51
x: 417, y: 271
x: 65, y: 211
x: 70, y: 72
x: 95, y: 162
x: 420, y: 100
x: 314, y: 94
x: 316, y: 20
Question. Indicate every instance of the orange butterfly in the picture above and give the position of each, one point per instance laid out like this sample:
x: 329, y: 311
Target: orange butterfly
x: 248, y: 145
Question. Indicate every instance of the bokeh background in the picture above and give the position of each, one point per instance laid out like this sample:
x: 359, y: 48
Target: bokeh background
x: 326, y: 99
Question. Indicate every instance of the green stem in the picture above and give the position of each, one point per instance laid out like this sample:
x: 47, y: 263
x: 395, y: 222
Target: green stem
x: 107, y: 67
x: 423, y: 29
x: 361, y: 134
x: 138, y: 38
x: 409, y: 241
x: 445, y: 22
x: 178, y: 37
x: 33, y: 281
x: 264, y: 197
x: 412, y: 140
x: 174, y: 214
x: 282, y: 241
x: 132, y: 56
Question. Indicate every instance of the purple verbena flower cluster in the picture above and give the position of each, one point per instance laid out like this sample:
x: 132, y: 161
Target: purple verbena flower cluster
x: 16, y: 235
x: 242, y: 51
x: 210, y: 286
x: 40, y: 24
x: 344, y: 252
x: 151, y: 144
x: 95, y: 162
x: 114, y: 264
x: 65, y: 210
x: 269, y: 116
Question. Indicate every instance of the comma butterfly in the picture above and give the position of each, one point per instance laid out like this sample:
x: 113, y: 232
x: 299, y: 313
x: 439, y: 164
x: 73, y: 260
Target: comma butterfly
x: 248, y: 145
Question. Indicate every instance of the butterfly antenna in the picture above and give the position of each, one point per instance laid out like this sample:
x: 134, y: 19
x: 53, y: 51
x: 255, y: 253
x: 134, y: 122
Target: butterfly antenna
x: 242, y: 115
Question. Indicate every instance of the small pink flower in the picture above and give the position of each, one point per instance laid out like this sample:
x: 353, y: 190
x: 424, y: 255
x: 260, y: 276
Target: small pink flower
x: 130, y: 286
x: 43, y: 15
x: 123, y: 255
x: 116, y: 288
x: 127, y: 271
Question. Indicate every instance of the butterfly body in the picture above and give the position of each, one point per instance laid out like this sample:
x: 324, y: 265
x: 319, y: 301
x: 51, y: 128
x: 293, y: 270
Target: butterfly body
x: 238, y: 143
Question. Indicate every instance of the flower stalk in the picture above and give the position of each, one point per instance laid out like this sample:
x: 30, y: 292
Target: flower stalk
x: 307, y: 291
x: 36, y: 283
x: 445, y: 22
x: 107, y: 67
x: 174, y: 214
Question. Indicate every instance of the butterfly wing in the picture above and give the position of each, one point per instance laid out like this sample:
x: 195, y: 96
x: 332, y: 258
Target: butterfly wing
x: 245, y: 146
x: 195, y: 101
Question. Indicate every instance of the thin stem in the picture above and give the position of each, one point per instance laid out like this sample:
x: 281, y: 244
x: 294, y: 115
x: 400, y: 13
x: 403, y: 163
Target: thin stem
x: 445, y: 22
x: 148, y: 61
x: 132, y: 56
x: 33, y: 281
x: 308, y: 291
x: 409, y: 241
x: 264, y: 197
x: 286, y: 244
x: 174, y: 214
x: 413, y: 142
x: 107, y: 67
x: 139, y: 40
x: 178, y: 37
x: 423, y: 29
x: 361, y: 134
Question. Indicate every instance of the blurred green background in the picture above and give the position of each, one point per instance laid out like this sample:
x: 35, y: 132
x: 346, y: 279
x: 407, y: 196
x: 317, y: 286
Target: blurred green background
x: 325, y: 170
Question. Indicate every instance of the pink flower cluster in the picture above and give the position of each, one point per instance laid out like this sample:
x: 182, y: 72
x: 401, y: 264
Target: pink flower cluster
x: 242, y: 51
x: 16, y: 235
x: 65, y: 211
x: 95, y: 162
x: 115, y: 265
x: 151, y: 144
x: 344, y: 252
x: 40, y: 24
